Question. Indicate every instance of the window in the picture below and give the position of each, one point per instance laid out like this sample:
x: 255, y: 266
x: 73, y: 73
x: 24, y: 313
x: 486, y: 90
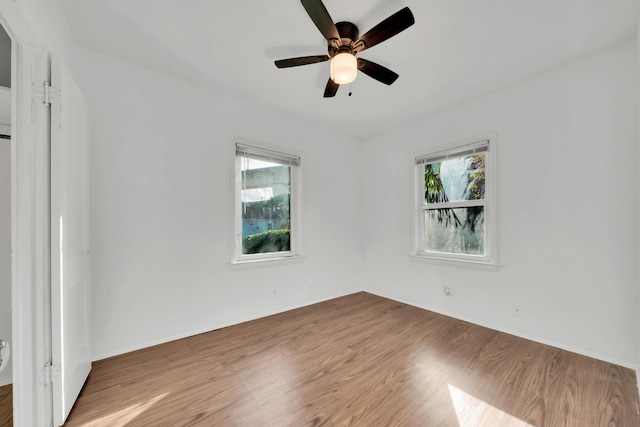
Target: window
x: 454, y: 218
x: 267, y: 200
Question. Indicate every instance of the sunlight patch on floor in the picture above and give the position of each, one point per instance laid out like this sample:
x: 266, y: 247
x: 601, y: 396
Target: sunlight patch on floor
x: 126, y: 415
x: 474, y: 412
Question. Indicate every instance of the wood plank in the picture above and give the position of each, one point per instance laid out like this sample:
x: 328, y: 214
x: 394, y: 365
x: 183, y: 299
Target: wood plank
x: 359, y: 360
x: 6, y: 406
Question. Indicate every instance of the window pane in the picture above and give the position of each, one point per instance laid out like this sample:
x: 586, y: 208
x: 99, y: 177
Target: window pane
x: 456, y: 179
x: 266, y: 204
x: 458, y: 231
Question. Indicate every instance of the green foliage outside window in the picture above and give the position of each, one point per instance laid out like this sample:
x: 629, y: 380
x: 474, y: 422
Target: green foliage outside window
x: 268, y: 241
x: 435, y: 192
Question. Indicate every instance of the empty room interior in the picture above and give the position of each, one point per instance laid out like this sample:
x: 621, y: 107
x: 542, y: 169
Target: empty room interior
x: 450, y: 239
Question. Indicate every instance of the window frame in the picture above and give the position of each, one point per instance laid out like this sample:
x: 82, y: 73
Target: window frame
x: 240, y: 260
x: 488, y: 261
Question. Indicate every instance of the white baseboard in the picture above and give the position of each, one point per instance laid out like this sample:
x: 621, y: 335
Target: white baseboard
x: 164, y: 340
x: 603, y: 357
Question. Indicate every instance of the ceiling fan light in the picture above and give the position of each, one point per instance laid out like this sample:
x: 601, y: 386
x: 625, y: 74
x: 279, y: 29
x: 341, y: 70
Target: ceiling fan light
x: 344, y: 68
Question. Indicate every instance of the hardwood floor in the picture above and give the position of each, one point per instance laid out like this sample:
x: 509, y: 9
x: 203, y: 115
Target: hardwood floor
x: 6, y: 406
x: 359, y: 360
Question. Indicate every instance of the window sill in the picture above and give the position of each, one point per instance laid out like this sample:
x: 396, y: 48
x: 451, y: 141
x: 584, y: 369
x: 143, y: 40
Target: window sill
x: 449, y: 262
x: 266, y: 262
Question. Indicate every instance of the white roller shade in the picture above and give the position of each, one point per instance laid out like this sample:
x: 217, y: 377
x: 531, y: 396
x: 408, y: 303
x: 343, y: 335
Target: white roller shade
x: 479, y: 147
x: 263, y: 154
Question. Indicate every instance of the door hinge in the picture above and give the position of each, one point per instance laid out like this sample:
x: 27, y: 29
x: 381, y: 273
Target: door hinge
x: 46, y: 93
x: 49, y: 374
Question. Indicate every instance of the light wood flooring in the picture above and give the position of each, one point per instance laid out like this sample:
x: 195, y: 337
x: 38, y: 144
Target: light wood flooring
x: 360, y: 360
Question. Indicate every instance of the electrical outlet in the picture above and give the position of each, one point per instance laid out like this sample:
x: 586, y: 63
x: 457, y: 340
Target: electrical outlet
x: 447, y: 291
x: 517, y: 310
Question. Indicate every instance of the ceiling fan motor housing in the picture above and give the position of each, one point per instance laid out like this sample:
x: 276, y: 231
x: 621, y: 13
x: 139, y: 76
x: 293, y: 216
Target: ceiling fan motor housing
x: 348, y: 35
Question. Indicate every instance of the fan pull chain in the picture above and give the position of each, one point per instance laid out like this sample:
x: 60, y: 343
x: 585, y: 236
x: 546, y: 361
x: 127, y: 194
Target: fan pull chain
x: 349, y: 89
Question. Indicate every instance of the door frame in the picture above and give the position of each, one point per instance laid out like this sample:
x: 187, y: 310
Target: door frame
x: 29, y: 218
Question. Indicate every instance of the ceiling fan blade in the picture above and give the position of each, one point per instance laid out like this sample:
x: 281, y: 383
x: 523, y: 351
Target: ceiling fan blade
x: 331, y: 89
x: 377, y: 71
x: 302, y: 60
x: 396, y: 23
x: 319, y: 15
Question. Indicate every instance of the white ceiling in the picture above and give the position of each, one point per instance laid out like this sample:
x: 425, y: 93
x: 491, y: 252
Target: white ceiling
x: 457, y: 49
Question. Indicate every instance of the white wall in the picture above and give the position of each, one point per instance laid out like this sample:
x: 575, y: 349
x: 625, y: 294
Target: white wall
x: 567, y: 189
x: 161, y: 209
x: 49, y: 23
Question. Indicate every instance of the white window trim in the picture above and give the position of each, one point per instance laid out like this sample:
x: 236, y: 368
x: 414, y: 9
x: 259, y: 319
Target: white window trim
x: 295, y: 255
x: 490, y: 260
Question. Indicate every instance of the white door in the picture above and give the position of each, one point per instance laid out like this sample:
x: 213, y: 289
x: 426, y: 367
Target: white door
x: 71, y: 346
x: 5, y: 250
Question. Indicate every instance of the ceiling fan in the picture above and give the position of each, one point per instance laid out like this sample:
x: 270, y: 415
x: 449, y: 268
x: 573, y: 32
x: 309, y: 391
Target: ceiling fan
x: 344, y: 43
